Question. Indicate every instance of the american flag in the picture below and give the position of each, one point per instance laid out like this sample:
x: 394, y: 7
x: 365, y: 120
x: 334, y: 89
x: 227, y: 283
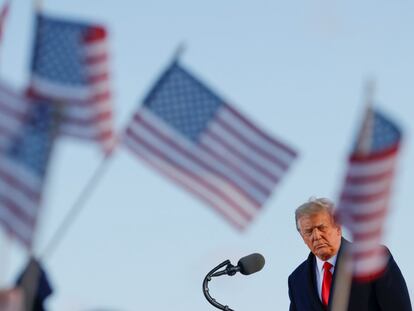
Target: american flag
x: 70, y: 66
x: 22, y: 171
x: 189, y: 134
x: 367, y: 190
x: 13, y: 112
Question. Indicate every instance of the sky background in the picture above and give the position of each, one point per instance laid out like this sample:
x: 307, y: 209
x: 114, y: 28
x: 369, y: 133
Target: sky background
x: 297, y: 68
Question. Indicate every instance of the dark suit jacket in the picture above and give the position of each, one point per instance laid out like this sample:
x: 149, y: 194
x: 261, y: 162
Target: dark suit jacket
x: 387, y: 293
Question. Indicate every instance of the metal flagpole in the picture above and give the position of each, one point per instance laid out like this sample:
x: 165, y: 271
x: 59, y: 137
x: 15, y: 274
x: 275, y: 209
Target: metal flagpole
x: 343, y: 279
x: 33, y: 276
x: 179, y: 51
x: 38, y: 4
x: 76, y: 208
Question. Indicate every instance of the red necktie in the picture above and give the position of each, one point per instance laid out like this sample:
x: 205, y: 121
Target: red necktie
x: 326, y: 283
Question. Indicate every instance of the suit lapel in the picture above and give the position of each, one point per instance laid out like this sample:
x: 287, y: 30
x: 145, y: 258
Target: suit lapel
x: 313, y: 291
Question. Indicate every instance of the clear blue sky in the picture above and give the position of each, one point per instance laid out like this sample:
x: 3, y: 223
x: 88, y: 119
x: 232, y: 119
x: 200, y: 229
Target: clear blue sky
x: 296, y: 67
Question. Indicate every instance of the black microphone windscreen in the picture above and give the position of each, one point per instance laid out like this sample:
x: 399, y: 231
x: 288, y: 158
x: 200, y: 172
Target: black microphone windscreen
x: 251, y: 263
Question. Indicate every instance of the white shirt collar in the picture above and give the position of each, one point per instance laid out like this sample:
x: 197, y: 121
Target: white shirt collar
x: 319, y: 263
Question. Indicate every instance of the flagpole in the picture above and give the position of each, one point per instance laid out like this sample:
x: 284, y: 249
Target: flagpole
x: 38, y: 4
x: 370, y: 92
x: 178, y: 52
x: 77, y: 207
x: 364, y: 139
x: 343, y: 279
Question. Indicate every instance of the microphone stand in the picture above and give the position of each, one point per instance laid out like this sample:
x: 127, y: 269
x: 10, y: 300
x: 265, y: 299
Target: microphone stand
x: 230, y: 270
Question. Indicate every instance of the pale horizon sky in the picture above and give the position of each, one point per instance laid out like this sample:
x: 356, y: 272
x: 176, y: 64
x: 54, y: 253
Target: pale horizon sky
x: 297, y: 68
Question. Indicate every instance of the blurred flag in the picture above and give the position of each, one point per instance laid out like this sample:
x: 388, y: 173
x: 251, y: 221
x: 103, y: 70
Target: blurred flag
x: 3, y: 15
x: 70, y: 66
x: 13, y: 113
x: 35, y: 284
x: 366, y: 193
x: 189, y: 134
x: 22, y: 171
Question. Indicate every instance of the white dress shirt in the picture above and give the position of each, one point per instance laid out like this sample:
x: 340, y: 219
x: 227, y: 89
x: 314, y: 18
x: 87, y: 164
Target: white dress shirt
x: 319, y: 272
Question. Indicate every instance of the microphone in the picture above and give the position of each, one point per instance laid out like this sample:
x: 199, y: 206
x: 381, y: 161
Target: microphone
x: 251, y: 264
x: 246, y: 265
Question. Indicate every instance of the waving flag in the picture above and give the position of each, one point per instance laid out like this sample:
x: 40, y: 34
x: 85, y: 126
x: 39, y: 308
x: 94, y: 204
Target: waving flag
x: 22, y: 171
x: 205, y: 145
x: 13, y: 114
x: 70, y: 66
x: 366, y: 193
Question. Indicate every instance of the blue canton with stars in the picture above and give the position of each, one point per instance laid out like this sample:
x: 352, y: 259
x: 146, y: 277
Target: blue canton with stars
x: 58, y: 51
x: 385, y: 134
x: 183, y: 102
x: 32, y: 149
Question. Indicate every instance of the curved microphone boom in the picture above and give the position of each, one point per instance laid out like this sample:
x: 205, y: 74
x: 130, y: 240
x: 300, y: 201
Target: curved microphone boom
x: 246, y: 265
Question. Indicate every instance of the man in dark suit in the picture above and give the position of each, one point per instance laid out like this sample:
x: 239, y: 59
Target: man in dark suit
x: 311, y: 284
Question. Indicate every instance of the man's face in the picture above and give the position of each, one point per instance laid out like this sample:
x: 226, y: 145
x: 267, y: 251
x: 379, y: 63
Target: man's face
x: 320, y: 234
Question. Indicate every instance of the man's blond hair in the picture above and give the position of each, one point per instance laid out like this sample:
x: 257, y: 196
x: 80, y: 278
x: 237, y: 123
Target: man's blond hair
x: 314, y: 206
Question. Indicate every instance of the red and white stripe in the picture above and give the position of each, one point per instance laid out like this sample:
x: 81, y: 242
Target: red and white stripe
x: 234, y: 168
x: 86, y: 110
x: 363, y: 208
x: 20, y: 193
x: 13, y: 112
